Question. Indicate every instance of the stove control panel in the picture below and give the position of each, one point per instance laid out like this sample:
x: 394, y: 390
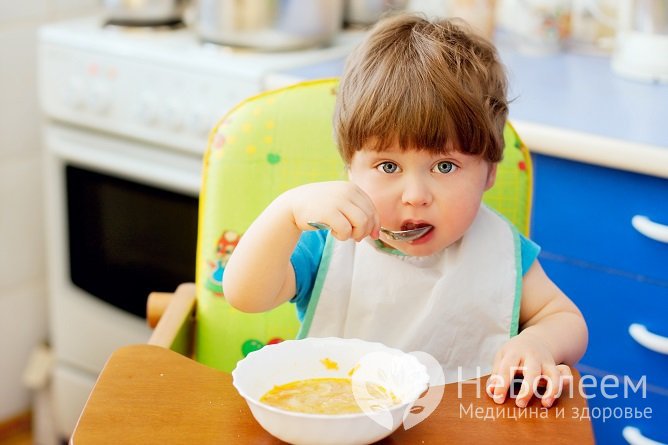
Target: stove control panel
x: 125, y: 96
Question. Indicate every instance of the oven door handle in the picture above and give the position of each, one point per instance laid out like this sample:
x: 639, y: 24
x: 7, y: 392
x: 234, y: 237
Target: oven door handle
x: 155, y: 166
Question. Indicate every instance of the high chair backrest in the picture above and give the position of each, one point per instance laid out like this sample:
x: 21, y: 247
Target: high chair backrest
x: 268, y: 144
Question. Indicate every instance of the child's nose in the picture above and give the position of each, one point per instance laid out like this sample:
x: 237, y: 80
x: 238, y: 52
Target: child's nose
x: 416, y: 193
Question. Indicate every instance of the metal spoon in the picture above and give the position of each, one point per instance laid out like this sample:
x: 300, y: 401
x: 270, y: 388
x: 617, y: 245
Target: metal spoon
x: 396, y: 235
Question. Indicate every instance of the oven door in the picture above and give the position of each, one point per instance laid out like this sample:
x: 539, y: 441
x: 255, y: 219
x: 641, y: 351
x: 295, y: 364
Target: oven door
x: 122, y: 222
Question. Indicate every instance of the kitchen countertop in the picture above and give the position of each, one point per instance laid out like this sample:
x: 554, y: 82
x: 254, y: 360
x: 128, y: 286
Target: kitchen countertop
x: 571, y: 106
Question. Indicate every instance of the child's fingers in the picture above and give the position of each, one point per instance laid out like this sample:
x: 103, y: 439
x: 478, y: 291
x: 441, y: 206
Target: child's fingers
x: 497, y: 387
x: 566, y: 376
x: 502, y: 377
x: 364, y: 202
x: 554, y: 385
x: 360, y: 222
x: 494, y: 379
x: 530, y: 375
x: 560, y: 376
x: 565, y: 371
x: 372, y: 219
x: 341, y: 228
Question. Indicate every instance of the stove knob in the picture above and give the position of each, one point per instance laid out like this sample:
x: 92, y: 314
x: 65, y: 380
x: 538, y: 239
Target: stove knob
x: 73, y: 94
x: 99, y: 98
x: 198, y: 122
x: 147, y: 111
x: 173, y: 115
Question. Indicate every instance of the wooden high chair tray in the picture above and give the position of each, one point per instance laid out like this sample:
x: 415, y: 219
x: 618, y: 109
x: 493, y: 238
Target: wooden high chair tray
x: 150, y: 395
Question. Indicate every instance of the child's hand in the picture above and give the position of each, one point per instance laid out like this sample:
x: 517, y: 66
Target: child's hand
x: 341, y: 205
x: 529, y: 356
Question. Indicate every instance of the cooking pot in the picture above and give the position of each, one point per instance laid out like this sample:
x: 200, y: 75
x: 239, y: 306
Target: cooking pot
x: 143, y: 12
x: 367, y: 12
x: 269, y: 24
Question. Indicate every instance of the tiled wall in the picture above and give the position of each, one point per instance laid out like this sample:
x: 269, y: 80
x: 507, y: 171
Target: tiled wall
x: 22, y: 270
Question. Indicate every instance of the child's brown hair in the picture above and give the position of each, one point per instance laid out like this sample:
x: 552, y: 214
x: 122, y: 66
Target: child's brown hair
x: 427, y: 85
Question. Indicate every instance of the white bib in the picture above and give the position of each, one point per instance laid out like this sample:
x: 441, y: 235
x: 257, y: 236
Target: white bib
x: 460, y: 305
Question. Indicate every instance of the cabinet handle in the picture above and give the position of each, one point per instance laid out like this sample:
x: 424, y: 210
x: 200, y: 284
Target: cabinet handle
x: 654, y: 342
x: 649, y: 228
x: 635, y: 437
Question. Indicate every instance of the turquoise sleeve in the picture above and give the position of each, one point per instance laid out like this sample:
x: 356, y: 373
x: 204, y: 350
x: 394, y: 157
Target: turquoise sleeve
x: 529, y: 252
x: 305, y: 261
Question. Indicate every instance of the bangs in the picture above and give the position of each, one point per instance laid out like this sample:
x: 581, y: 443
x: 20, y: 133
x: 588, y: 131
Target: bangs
x: 413, y: 119
x: 418, y: 114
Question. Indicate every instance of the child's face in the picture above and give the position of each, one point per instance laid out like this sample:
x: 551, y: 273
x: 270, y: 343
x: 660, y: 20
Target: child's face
x: 416, y: 188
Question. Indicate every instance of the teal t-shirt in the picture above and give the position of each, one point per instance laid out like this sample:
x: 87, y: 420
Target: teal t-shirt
x: 308, y: 253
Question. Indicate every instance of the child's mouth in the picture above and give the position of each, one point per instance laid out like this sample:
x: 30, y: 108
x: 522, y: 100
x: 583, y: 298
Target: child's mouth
x: 412, y: 225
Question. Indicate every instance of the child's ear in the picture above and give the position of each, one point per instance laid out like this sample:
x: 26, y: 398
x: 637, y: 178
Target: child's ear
x: 491, y: 176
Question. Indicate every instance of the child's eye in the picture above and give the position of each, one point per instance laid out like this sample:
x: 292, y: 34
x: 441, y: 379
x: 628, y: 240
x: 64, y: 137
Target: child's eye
x: 388, y: 167
x: 444, y: 167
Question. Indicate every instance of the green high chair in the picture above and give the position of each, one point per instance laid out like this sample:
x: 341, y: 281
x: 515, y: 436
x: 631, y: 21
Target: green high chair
x: 267, y: 144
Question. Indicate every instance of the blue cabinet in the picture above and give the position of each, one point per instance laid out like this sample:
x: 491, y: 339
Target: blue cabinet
x: 617, y: 276
x: 585, y: 212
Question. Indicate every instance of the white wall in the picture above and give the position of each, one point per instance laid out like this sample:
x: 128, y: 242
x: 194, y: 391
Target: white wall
x: 22, y: 269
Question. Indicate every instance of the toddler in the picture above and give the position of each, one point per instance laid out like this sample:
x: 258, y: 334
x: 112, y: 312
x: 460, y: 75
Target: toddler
x: 419, y: 123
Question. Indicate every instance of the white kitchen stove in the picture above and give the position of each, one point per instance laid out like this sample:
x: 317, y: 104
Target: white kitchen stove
x: 158, y: 84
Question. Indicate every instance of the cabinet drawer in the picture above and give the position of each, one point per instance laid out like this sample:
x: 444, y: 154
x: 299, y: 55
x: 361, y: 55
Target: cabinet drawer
x: 610, y: 431
x: 611, y: 304
x: 584, y: 212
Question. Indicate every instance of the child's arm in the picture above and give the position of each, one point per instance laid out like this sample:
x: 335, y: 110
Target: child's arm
x: 552, y: 333
x: 259, y: 275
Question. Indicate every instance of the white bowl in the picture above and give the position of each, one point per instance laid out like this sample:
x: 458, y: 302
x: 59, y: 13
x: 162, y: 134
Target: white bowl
x: 291, y: 360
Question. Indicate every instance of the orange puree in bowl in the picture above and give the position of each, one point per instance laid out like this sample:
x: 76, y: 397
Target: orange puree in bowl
x: 324, y: 396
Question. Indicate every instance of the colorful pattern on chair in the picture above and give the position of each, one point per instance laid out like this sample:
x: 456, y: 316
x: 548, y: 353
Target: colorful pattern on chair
x: 266, y: 145
x: 512, y: 192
